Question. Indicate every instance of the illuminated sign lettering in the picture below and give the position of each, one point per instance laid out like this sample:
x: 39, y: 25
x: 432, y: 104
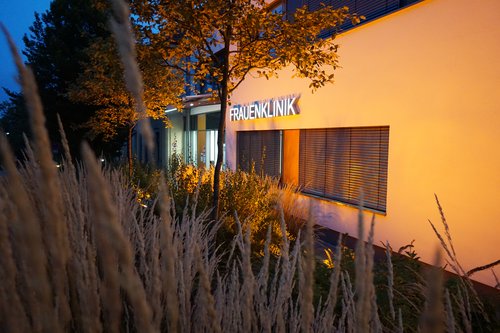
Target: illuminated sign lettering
x: 276, y: 107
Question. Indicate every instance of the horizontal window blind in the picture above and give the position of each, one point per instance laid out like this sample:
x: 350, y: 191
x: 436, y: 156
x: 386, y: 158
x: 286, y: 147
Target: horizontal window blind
x: 260, y: 148
x: 370, y: 9
x: 312, y: 152
x: 340, y: 163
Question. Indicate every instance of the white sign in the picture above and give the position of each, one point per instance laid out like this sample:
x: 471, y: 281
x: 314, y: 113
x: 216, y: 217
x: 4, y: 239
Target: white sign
x: 276, y: 107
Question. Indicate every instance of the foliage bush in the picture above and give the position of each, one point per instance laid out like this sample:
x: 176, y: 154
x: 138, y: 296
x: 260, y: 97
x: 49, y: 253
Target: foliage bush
x: 252, y: 199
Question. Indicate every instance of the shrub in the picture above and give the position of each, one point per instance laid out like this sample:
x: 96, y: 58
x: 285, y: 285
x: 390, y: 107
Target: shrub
x: 253, y: 199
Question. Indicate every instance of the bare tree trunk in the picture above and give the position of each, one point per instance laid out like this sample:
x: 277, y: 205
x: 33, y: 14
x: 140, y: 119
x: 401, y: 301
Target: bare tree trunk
x: 222, y: 130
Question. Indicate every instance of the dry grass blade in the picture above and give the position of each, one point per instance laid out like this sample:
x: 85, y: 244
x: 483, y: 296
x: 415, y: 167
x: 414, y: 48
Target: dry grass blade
x: 307, y: 284
x: 14, y: 318
x: 446, y: 227
x: 483, y: 267
x: 450, y: 318
x: 105, y: 220
x: 133, y: 78
x: 451, y: 260
x: 65, y: 144
x: 347, y: 319
x: 371, y: 301
x: 262, y: 284
x: 207, y: 299
x: 27, y: 240
x: 328, y: 316
x: 432, y: 320
x: 390, y: 281
x: 170, y: 283
x: 362, y: 301
x: 497, y: 285
x: 114, y: 248
x: 463, y: 302
x: 244, y: 245
x: 400, y: 321
x: 55, y: 232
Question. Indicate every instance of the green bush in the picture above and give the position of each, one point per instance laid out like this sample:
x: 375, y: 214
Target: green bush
x: 249, y: 197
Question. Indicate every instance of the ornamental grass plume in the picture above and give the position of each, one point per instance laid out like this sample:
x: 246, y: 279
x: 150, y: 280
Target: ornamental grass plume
x: 306, y: 279
x: 432, y: 319
x: 210, y: 320
x: 465, y: 283
x: 450, y: 318
x: 54, y: 230
x: 362, y: 298
x: 390, y: 281
x: 114, y: 248
x: 13, y: 196
x: 168, y: 272
x: 122, y: 30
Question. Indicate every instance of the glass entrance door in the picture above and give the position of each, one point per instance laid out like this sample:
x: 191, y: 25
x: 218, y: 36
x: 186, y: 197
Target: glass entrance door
x: 202, y: 139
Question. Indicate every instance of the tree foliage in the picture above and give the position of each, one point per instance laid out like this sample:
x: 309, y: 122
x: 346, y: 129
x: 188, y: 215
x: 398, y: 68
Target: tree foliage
x: 101, y: 84
x: 14, y: 120
x: 55, y: 49
x: 220, y: 42
x: 77, y: 68
x: 194, y: 36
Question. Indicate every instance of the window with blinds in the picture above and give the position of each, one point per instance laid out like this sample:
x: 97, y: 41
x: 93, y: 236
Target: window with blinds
x: 262, y: 149
x: 339, y: 163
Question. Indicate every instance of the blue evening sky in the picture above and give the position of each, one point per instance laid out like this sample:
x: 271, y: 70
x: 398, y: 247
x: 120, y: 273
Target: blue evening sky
x: 17, y: 16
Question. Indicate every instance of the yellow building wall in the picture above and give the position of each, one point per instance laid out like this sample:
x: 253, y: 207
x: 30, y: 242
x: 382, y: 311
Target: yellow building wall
x: 432, y: 73
x: 290, y: 167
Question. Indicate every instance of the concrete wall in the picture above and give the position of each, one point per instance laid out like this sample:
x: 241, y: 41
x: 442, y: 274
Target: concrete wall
x: 432, y: 73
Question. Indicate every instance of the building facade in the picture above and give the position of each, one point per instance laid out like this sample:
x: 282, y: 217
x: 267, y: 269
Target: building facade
x: 414, y: 111
x: 193, y: 134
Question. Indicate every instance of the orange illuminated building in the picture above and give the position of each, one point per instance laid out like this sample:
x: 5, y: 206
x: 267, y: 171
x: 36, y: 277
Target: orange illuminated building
x: 415, y: 110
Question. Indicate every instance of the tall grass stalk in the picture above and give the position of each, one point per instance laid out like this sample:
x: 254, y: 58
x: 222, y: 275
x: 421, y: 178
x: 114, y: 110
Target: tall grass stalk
x: 125, y: 40
x: 432, y: 319
x: 54, y: 232
x: 362, y: 294
x: 450, y: 318
x: 168, y: 272
x: 390, y: 281
x: 307, y: 281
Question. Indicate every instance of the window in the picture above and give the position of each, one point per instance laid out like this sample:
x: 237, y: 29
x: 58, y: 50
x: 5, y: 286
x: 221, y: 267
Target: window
x: 337, y: 163
x: 263, y: 149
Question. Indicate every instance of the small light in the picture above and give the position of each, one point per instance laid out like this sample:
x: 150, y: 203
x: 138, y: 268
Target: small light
x: 191, y: 104
x: 7, y: 133
x: 102, y: 160
x: 58, y: 165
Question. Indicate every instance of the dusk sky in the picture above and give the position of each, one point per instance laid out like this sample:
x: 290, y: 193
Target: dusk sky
x: 17, y: 16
